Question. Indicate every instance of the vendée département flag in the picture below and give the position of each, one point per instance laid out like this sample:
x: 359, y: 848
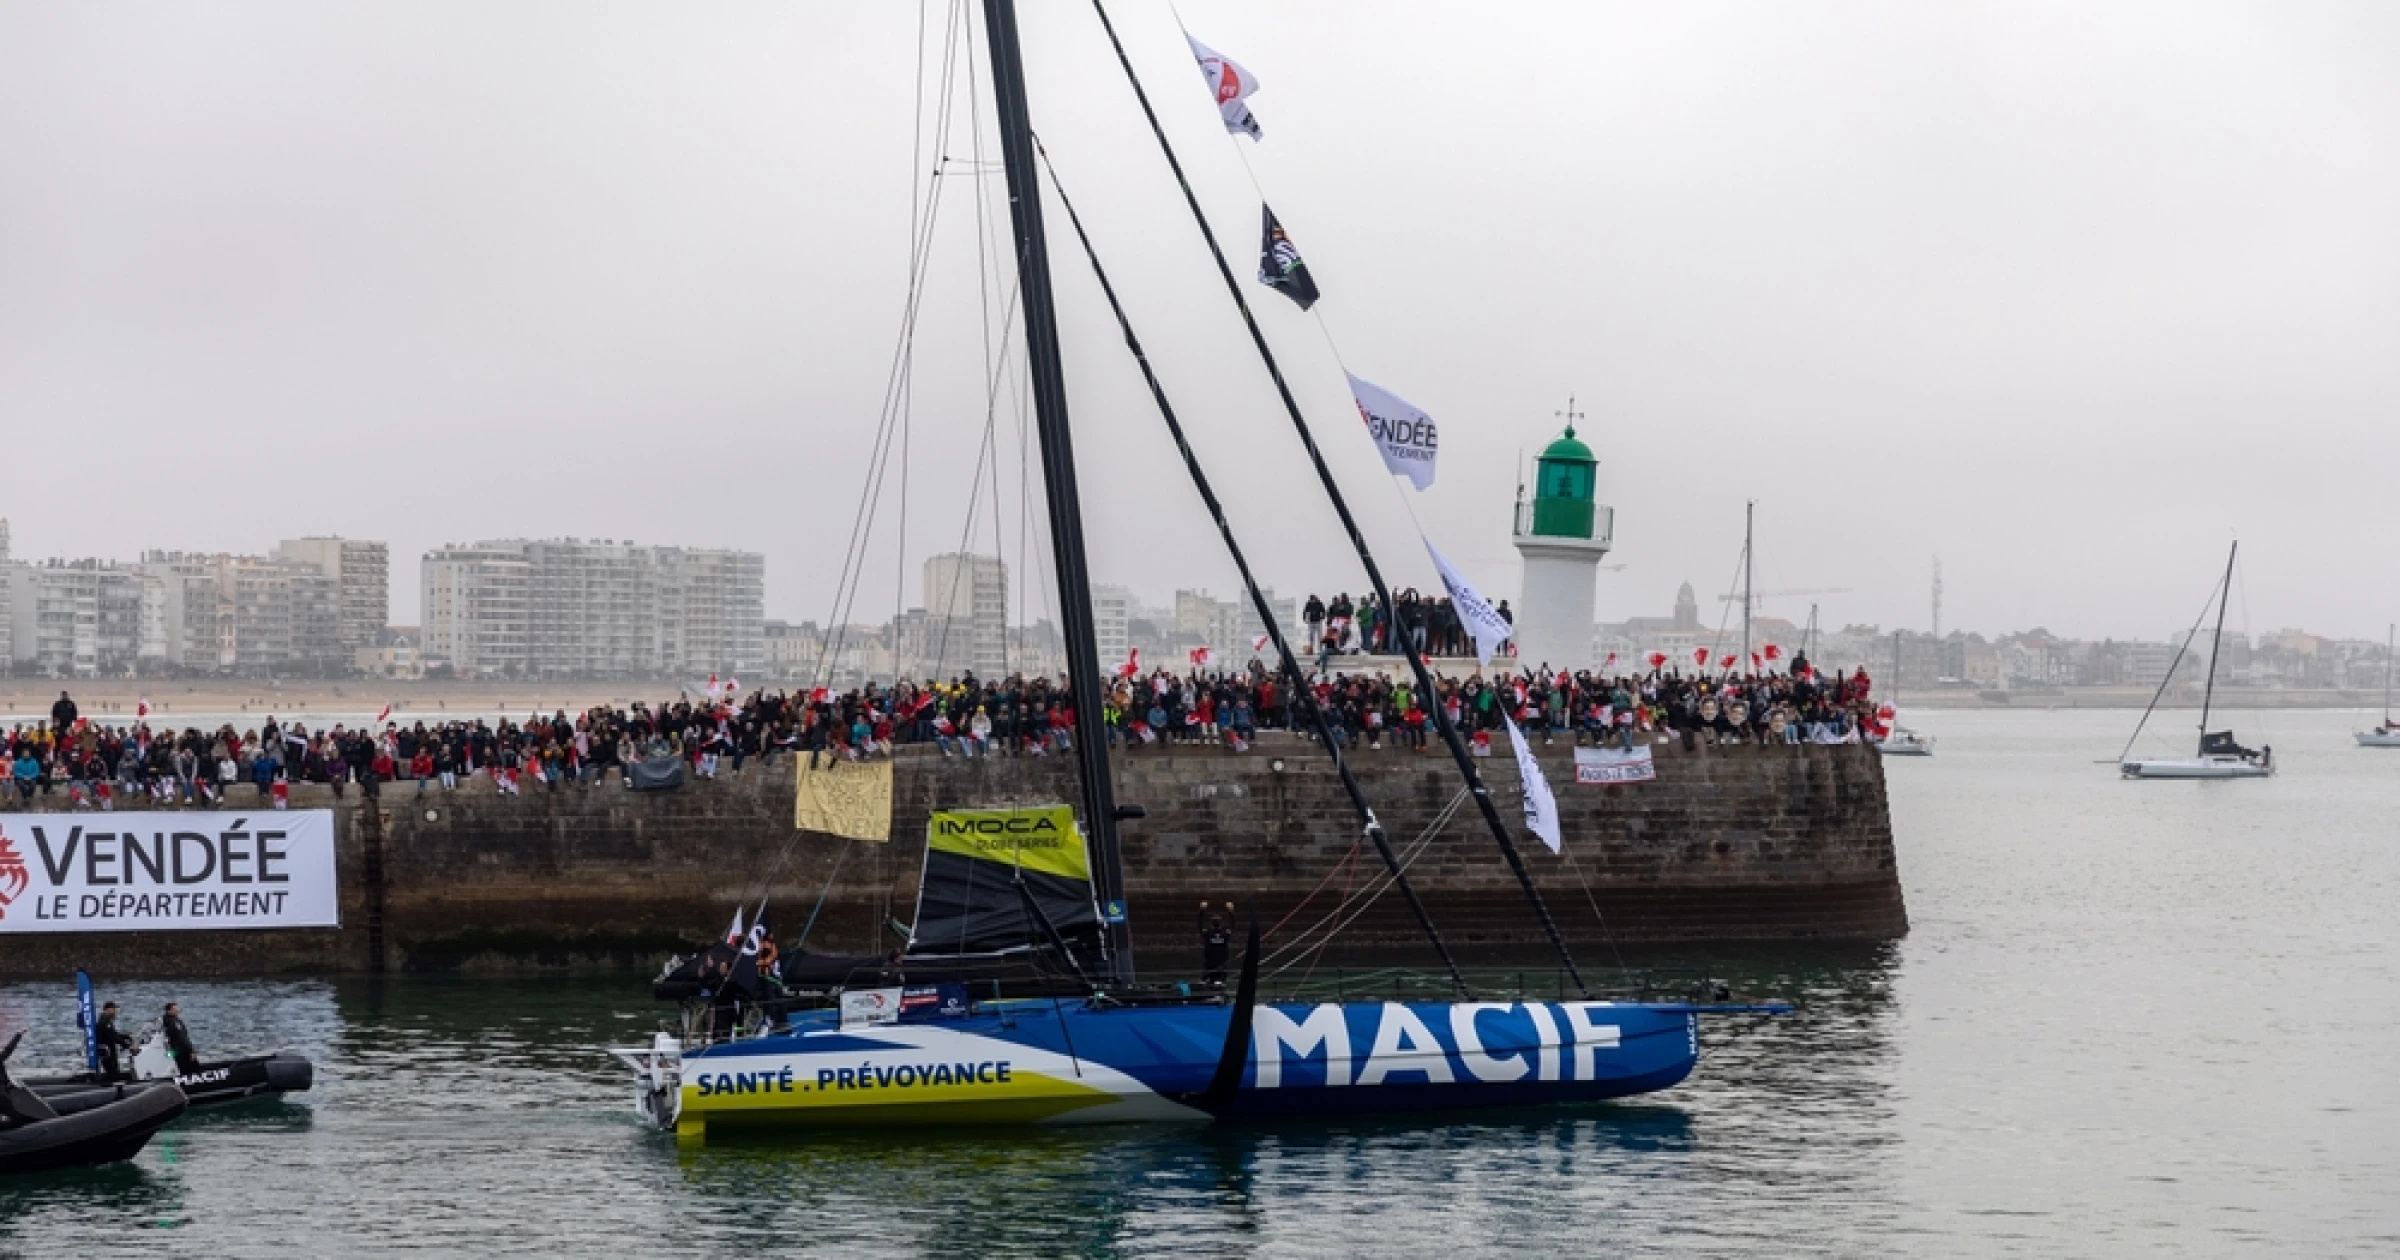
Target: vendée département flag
x: 1279, y: 264
x: 1541, y: 807
x: 1405, y: 435
x: 1483, y: 622
x: 1230, y: 83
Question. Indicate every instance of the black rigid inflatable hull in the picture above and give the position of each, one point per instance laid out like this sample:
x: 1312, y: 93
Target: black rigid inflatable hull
x: 91, y: 1126
x: 259, y: 1076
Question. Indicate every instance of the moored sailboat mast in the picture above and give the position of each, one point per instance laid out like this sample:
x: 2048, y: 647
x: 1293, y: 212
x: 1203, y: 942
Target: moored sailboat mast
x: 2216, y: 641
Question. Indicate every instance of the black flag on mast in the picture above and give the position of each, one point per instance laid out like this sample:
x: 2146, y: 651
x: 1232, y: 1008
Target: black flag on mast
x: 1280, y: 267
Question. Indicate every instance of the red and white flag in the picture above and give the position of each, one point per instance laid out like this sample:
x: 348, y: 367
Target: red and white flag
x: 1726, y: 661
x: 733, y: 686
x: 712, y: 686
x: 819, y: 695
x: 1700, y: 657
x: 1229, y: 83
x: 1132, y: 665
x: 1258, y: 642
x: 1774, y: 653
x: 141, y: 707
x: 1612, y: 659
x: 1658, y: 660
x: 387, y: 711
x: 1202, y: 658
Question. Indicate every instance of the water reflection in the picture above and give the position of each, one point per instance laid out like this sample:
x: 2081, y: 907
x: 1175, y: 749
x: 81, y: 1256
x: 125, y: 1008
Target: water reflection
x: 1097, y: 1191
x: 34, y: 1205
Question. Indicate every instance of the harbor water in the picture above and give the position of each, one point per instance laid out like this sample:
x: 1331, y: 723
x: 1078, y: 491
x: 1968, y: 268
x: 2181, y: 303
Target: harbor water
x: 2132, y: 1017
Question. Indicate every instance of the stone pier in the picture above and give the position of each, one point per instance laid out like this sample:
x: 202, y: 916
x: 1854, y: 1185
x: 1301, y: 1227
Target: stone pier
x: 1728, y: 844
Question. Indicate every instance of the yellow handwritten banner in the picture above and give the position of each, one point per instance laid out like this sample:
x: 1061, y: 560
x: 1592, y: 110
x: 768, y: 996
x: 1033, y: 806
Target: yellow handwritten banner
x: 846, y: 798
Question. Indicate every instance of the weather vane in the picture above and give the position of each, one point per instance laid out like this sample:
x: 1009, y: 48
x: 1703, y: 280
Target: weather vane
x: 1571, y: 415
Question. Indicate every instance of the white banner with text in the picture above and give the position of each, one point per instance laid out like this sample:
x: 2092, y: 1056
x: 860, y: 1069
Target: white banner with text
x: 1614, y: 765
x: 126, y: 872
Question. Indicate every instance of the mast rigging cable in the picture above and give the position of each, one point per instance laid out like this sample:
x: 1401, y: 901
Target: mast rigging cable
x: 1358, y: 542
x: 1296, y: 684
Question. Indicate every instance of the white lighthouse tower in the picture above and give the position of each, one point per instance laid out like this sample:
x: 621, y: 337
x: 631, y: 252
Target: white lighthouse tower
x: 1562, y: 533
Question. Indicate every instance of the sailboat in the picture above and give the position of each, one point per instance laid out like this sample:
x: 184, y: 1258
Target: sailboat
x: 1902, y: 742
x: 2220, y: 756
x: 1017, y: 1002
x: 2387, y: 733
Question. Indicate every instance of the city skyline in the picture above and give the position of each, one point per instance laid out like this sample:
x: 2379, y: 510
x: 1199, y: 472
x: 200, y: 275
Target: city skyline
x: 531, y: 302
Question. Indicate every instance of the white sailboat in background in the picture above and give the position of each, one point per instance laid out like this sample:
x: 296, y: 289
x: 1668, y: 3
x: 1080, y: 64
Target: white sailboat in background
x: 2219, y: 757
x: 1902, y: 742
x: 2386, y: 735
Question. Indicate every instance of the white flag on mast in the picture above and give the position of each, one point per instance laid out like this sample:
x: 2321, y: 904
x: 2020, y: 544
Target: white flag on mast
x: 1541, y: 808
x: 1230, y: 83
x: 1488, y: 627
x: 1403, y: 433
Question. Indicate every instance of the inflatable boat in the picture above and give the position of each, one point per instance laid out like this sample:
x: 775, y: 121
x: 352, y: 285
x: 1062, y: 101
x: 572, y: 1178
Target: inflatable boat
x: 74, y: 1128
x: 217, y: 1083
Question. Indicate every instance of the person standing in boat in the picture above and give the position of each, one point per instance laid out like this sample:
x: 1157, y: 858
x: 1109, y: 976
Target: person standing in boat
x: 110, y: 1040
x: 1216, y: 942
x: 179, y: 1041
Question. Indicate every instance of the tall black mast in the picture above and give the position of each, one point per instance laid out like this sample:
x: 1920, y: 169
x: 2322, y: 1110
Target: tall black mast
x: 1058, y: 470
x: 2217, y: 641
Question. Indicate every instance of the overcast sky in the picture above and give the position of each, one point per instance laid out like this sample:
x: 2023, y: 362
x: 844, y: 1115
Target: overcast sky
x: 2066, y: 294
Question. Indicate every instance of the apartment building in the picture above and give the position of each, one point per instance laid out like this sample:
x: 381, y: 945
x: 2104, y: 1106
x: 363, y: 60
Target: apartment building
x: 608, y: 609
x: 969, y: 593
x: 360, y: 570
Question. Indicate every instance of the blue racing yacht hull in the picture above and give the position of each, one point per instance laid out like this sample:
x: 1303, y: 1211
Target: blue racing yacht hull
x: 1078, y: 1062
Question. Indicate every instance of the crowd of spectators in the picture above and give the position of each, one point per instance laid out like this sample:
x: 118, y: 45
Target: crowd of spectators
x: 1343, y: 626
x: 101, y: 764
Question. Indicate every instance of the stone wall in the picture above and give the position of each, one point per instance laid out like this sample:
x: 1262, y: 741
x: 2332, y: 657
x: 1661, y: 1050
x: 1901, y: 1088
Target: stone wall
x: 1728, y: 844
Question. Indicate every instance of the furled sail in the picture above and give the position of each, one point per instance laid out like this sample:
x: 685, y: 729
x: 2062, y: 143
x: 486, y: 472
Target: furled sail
x: 1001, y: 879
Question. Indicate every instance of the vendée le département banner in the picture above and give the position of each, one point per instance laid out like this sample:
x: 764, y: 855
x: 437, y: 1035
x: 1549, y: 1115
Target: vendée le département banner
x: 122, y: 872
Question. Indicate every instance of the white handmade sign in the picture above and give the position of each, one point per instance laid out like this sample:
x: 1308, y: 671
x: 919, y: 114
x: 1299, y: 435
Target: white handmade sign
x: 126, y: 872
x: 1614, y: 765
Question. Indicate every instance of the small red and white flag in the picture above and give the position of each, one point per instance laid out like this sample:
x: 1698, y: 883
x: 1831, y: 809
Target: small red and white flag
x: 1774, y: 652
x: 820, y: 695
x: 712, y: 686
x: 1202, y: 658
x: 1132, y: 665
x: 1700, y: 657
x: 141, y: 707
x: 1258, y: 642
x: 733, y: 686
x: 1754, y: 662
x: 1658, y: 660
x: 1612, y: 659
x: 387, y: 711
x: 1726, y: 661
x: 1229, y: 83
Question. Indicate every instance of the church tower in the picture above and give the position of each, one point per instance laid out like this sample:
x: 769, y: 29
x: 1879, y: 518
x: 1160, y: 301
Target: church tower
x: 1562, y: 534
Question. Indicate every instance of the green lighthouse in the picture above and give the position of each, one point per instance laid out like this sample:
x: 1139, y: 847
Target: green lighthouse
x: 1562, y: 488
x: 1562, y: 533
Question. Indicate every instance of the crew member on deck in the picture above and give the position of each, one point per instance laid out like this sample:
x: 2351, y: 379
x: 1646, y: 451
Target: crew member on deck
x: 179, y: 1042
x: 106, y: 1036
x: 1216, y: 942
